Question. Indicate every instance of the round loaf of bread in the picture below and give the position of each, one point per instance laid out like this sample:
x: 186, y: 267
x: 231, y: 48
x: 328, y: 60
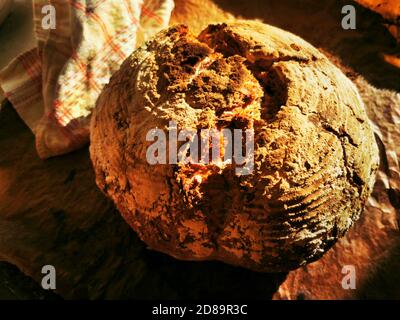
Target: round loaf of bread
x: 314, y: 156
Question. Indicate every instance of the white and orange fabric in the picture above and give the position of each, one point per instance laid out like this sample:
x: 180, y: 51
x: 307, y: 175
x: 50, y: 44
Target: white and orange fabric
x: 54, y: 87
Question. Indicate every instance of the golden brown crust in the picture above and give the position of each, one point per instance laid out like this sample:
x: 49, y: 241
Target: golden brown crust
x: 315, y: 154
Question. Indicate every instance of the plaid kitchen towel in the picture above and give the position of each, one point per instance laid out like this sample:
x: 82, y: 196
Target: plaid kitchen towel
x: 54, y: 87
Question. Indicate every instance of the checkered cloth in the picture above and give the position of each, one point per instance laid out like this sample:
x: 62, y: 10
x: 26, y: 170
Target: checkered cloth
x: 54, y: 87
